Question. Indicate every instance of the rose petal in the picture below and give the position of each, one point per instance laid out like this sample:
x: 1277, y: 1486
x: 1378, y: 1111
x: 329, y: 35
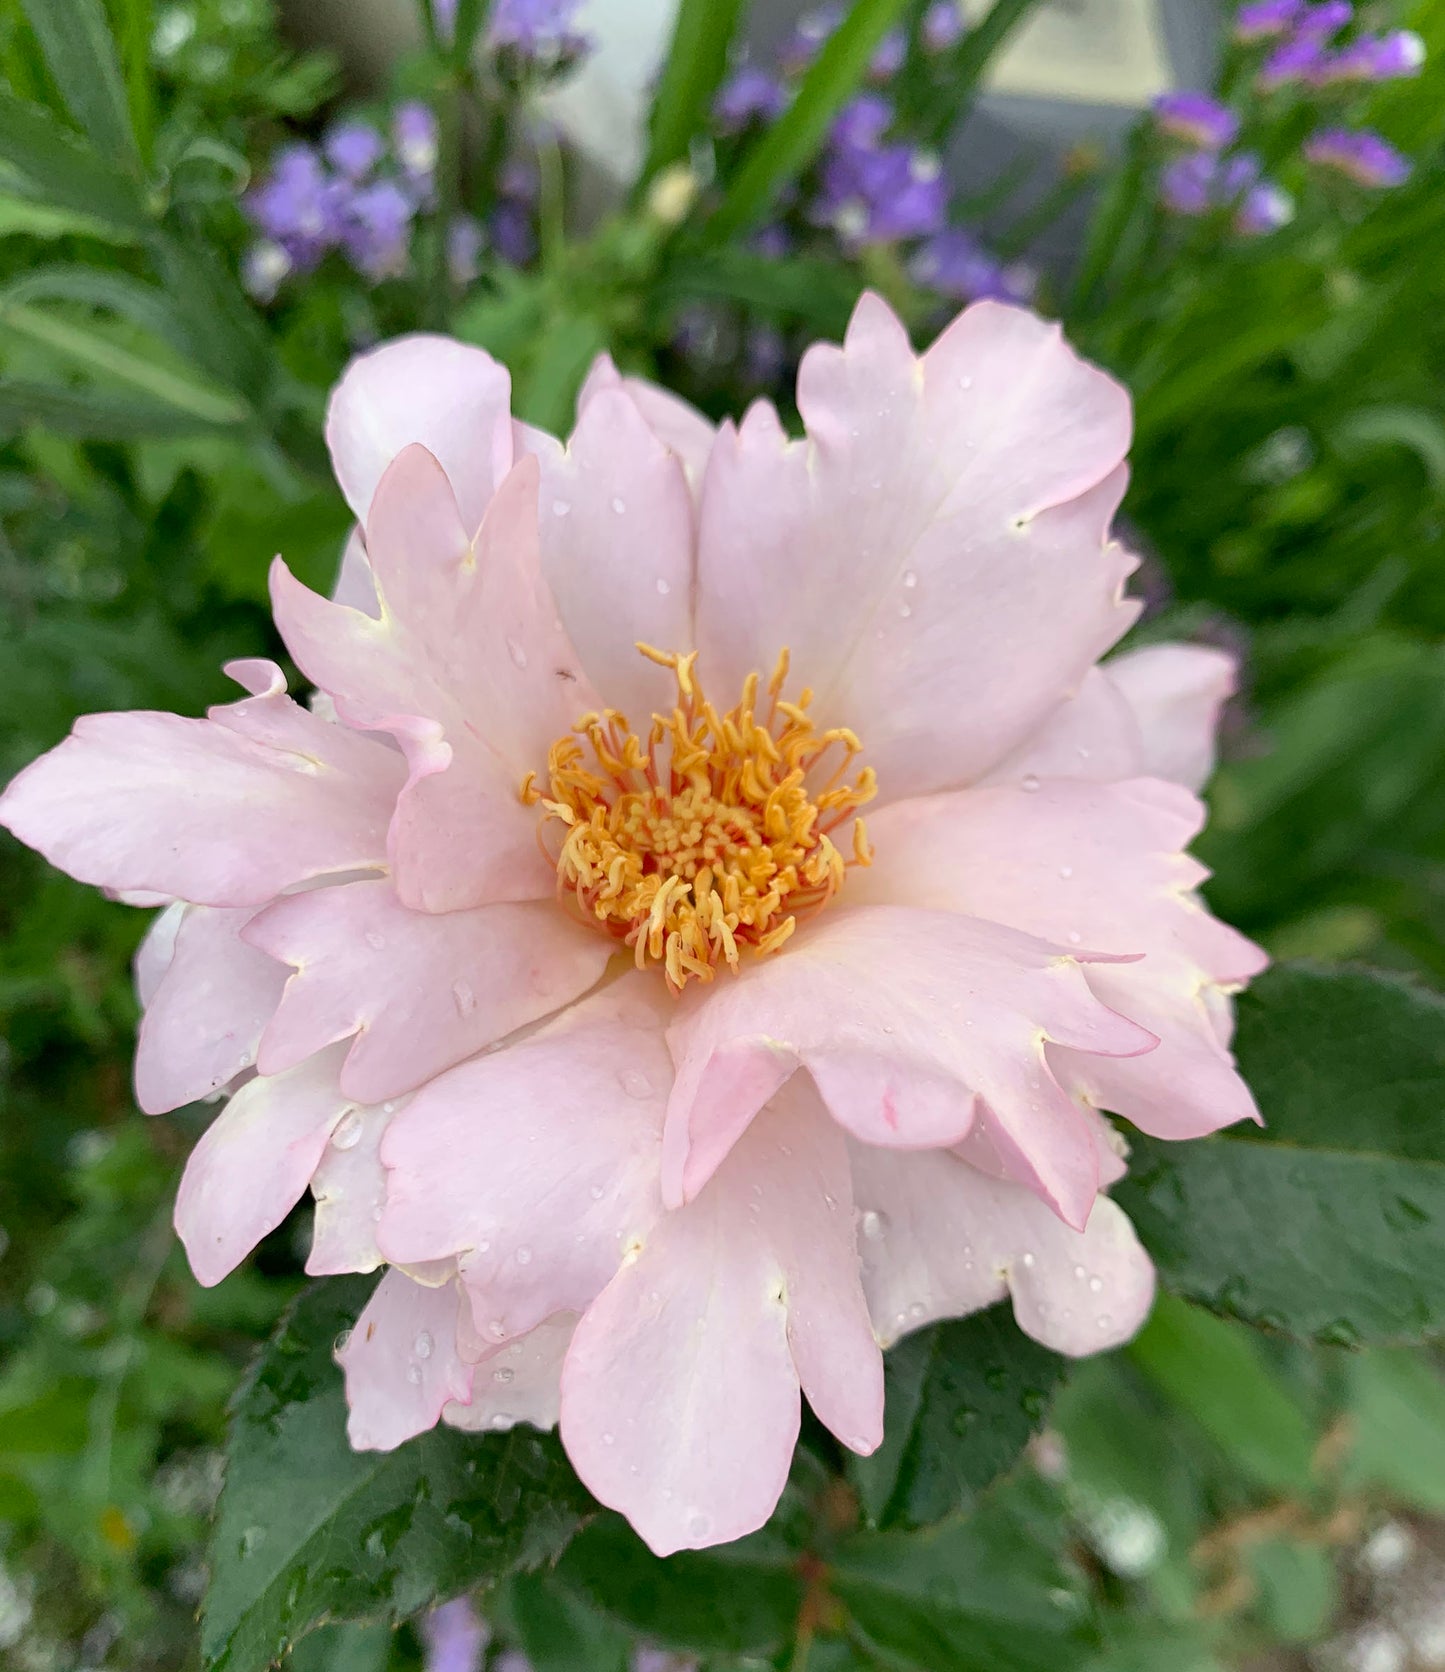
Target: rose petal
x: 349, y: 1185
x: 401, y: 1363
x: 1176, y: 692
x: 678, y: 426
x: 518, y: 1382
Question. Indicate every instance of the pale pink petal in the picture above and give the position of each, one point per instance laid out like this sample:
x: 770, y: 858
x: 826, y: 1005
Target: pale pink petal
x: 349, y: 1186
x: 453, y: 399
x: 1176, y: 692
x: 355, y: 584
x: 935, y: 555
x: 1091, y: 734
x: 915, y: 1025
x: 517, y: 1382
x: 678, y: 426
x: 536, y: 1166
x: 226, y: 811
x: 253, y: 1163
x: 940, y: 1240
x: 420, y: 991
x: 1103, y: 866
x: 680, y: 1398
x: 617, y: 538
x: 203, y: 1020
x: 468, y: 667
x: 157, y: 948
x: 401, y: 1362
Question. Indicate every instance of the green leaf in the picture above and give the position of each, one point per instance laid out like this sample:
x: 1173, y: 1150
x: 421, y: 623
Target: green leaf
x: 696, y: 63
x: 953, y: 95
x: 77, y: 43
x: 1295, y: 1585
x: 58, y: 169
x: 23, y: 216
x: 559, y: 1632
x: 351, y: 1647
x: 977, y: 1595
x: 962, y: 1400
x: 89, y: 414
x: 1397, y: 1424
x: 548, y: 381
x: 100, y: 287
x: 817, y: 293
x: 308, y: 1529
x: 1330, y: 1222
x: 1215, y: 1371
x: 740, y: 1598
x: 785, y: 149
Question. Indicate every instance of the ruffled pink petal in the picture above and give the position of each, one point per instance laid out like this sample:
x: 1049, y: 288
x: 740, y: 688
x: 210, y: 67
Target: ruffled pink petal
x: 536, y: 1166
x: 1176, y: 692
x: 401, y: 1363
x: 204, y: 1018
x: 680, y: 1399
x: 681, y: 428
x: 157, y: 948
x: 615, y: 517
x: 420, y: 991
x: 941, y: 1240
x: 1099, y: 865
x: 518, y: 1382
x: 253, y: 1163
x: 355, y: 584
x: 349, y: 1185
x: 1092, y: 733
x: 935, y: 555
x: 226, y: 811
x: 916, y: 1026
x: 453, y: 399
x: 468, y: 667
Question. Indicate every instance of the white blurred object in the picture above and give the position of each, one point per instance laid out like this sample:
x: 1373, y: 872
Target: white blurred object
x: 1097, y: 52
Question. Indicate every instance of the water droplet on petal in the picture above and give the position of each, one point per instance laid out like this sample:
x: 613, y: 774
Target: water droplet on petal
x: 619, y: 506
x: 388, y: 1108
x: 609, y: 1439
x: 560, y: 507
x: 504, y: 1375
x: 1074, y: 937
x: 1104, y: 1320
x: 1079, y: 1272
x: 1030, y: 783
x: 413, y: 1374
x: 523, y: 1256
x: 1027, y: 1260
x: 374, y: 940
x: 348, y: 1131
x: 910, y: 579
x: 873, y: 1225
x: 634, y: 1082
x: 905, y: 610
x: 1096, y: 1284
x: 464, y: 998
x: 698, y: 1524
x: 339, y: 1344
x: 422, y: 1345
x: 596, y: 1193
x: 517, y: 653
x: 663, y: 587
x: 1066, y: 871
x: 965, y: 383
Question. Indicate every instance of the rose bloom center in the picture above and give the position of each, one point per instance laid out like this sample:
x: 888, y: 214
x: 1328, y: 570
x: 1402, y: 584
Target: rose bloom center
x: 712, y: 838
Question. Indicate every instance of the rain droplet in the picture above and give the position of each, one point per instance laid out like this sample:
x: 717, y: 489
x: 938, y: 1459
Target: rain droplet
x: 504, y: 1375
x: 619, y: 506
x: 1104, y: 1320
x: 523, y: 1256
x: 516, y: 652
x: 663, y: 587
x: 596, y: 1193
x: 1074, y: 937
x: 1095, y: 1284
x: 374, y: 940
x: 965, y: 383
x: 413, y: 1374
x: 388, y: 1108
x: 503, y: 1420
x: 560, y: 507
x: 497, y: 1329
x: 634, y: 1082
x: 609, y: 1439
x: 348, y: 1131
x: 422, y: 1345
x: 916, y: 1309
x: 910, y: 579
x: 484, y: 1245
x: 698, y: 1524
x: 873, y: 1225
x: 252, y: 1540
x: 1028, y: 1259
x: 1079, y: 1272
x: 1066, y: 871
x: 464, y: 998
x: 339, y: 1344
x: 1031, y: 783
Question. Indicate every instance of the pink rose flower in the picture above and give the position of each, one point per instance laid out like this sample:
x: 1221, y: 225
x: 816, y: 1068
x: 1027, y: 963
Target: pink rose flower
x: 567, y: 975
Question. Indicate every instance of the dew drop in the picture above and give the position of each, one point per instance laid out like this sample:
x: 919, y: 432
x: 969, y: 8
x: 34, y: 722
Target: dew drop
x: 503, y: 1420
x: 422, y: 1345
x: 504, y: 1375
x: 560, y: 507
x: 910, y: 579
x: 517, y: 653
x: 339, y: 1344
x: 1079, y: 1272
x: 348, y: 1131
x: 634, y: 1082
x: 523, y: 1256
x: 1030, y: 783
x: 497, y: 1329
x: 1095, y: 1285
x: 1066, y: 871
x: 388, y: 1108
x: 905, y: 610
x: 374, y: 940
x: 1026, y: 1260
x: 663, y: 587
x: 619, y: 506
x: 413, y: 1374
x: 484, y: 1245
x: 1104, y: 1320
x: 965, y: 383
x: 873, y: 1226
x: 596, y: 1193
x: 463, y: 997
x: 252, y: 1540
x: 698, y: 1524
x: 916, y: 1310
x: 609, y: 1439
x: 1074, y: 937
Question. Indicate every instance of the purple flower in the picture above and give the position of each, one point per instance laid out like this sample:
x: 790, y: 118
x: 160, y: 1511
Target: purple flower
x: 1363, y: 156
x: 1204, y: 181
x: 943, y: 26
x: 881, y: 195
x: 888, y: 56
x: 512, y: 233
x: 1265, y: 208
x: 376, y: 231
x: 803, y: 46
x: 298, y: 206
x: 1299, y: 59
x: 765, y: 356
x: 1264, y: 20
x: 1197, y: 118
x: 541, y: 34
x: 1377, y: 58
x: 955, y: 265
x: 455, y: 1637
x: 748, y: 96
x: 465, y: 243
x: 862, y: 122
x: 414, y: 138
x: 774, y: 241
x: 353, y: 149
x: 263, y: 268
x: 1319, y: 23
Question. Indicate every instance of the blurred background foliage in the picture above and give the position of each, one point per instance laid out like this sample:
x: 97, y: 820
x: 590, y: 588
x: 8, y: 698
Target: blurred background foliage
x: 179, y: 287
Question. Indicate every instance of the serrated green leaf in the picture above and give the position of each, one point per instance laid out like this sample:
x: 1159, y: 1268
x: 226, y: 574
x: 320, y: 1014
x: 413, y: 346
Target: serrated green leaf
x: 308, y: 1529
x: 740, y: 1598
x: 1330, y: 1222
x: 789, y: 145
x: 79, y: 49
x: 695, y: 65
x: 962, y: 1400
x: 57, y: 169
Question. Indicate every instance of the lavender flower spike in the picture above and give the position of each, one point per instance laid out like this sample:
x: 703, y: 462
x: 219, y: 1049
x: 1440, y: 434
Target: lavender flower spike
x: 1378, y: 58
x: 1265, y: 209
x: 1361, y: 155
x: 943, y: 26
x: 1266, y: 20
x: 455, y: 1638
x: 542, y: 33
x: 353, y: 149
x: 1319, y: 23
x: 748, y: 95
x: 414, y: 135
x: 1197, y: 119
x: 1299, y: 59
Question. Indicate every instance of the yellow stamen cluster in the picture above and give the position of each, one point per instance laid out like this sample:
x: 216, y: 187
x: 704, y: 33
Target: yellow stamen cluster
x: 715, y: 837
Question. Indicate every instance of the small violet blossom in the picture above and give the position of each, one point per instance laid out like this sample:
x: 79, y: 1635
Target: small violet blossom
x: 414, y: 139
x: 540, y: 34
x: 1197, y: 119
x: 682, y: 1128
x: 943, y: 26
x: 1266, y: 19
x: 955, y: 265
x: 354, y: 149
x: 1301, y: 58
x: 812, y: 29
x: 1363, y: 156
x: 1264, y: 208
x: 454, y: 1636
x: 1389, y: 57
x: 749, y: 96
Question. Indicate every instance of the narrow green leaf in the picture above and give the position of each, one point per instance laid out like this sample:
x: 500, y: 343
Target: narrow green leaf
x: 559, y: 1632
x: 696, y: 63
x: 89, y: 414
x: 1214, y: 1371
x: 785, y: 149
x: 547, y: 383
x: 1397, y: 1428
x: 100, y: 287
x: 309, y: 1529
x: 61, y: 171
x: 971, y: 59
x: 1330, y: 1222
x: 471, y: 17
x: 818, y: 294
x: 95, y: 352
x: 962, y: 1400
x: 32, y: 219
x: 77, y: 43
